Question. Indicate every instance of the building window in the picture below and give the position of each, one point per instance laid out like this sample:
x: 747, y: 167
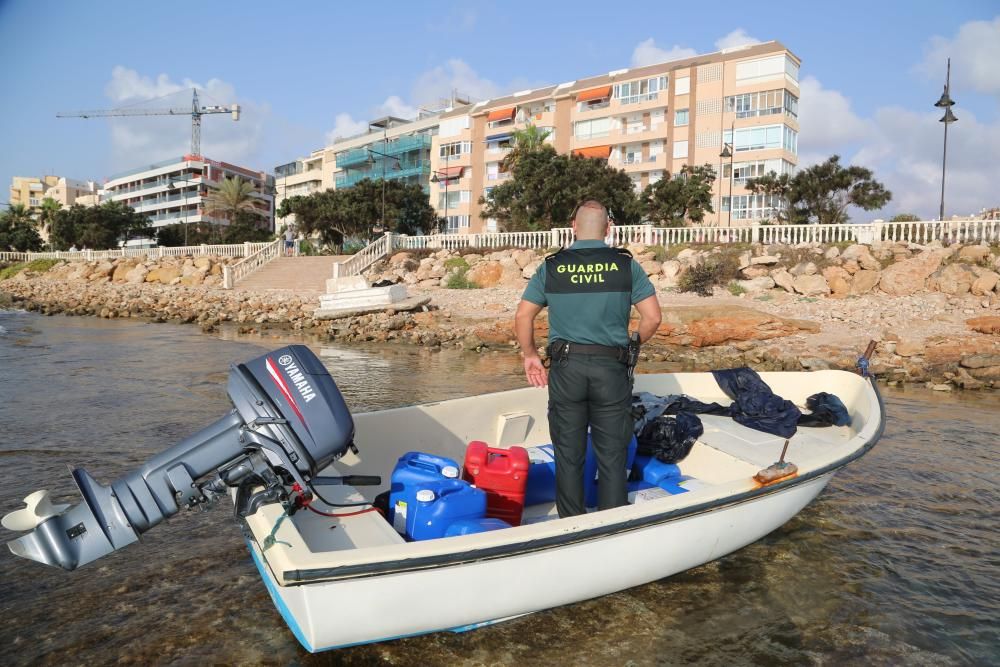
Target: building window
x: 454, y: 150
x: 753, y: 207
x: 741, y: 171
x: 765, y: 103
x: 682, y: 86
x: 760, y: 138
x: 455, y: 197
x: 655, y: 149
x: 456, y: 223
x: 680, y: 117
x: 631, y: 155
x: 656, y: 118
x: 492, y: 171
x: 655, y: 177
x: 642, y: 90
x: 680, y: 149
x: 592, y: 129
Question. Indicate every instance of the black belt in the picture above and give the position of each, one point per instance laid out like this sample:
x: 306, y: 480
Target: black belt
x: 562, y: 348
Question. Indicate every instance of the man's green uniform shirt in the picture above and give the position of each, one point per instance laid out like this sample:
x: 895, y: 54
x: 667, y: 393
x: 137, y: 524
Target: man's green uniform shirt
x: 589, y: 295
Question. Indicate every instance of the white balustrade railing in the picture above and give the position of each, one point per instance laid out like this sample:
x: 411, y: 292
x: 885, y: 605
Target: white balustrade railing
x: 223, y: 250
x: 364, y: 258
x: 233, y: 273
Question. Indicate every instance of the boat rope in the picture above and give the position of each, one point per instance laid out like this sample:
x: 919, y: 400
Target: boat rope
x: 270, y: 540
x: 863, y: 366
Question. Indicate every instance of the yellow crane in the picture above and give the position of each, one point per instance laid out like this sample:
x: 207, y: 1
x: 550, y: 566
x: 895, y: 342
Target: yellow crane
x: 196, y: 111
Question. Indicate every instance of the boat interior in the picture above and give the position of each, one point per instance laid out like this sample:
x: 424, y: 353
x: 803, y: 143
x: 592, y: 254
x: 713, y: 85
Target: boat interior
x: 721, y: 464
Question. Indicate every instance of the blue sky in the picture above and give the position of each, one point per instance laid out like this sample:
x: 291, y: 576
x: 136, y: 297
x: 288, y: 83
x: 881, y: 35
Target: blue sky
x: 307, y: 71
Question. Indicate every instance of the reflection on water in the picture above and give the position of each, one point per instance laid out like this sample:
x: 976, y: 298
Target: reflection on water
x: 895, y: 563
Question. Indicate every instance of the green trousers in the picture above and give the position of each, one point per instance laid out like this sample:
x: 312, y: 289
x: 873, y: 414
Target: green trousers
x: 589, y: 390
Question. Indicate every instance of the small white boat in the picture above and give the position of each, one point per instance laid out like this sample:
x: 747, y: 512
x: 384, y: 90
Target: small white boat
x: 352, y: 579
x: 394, y: 588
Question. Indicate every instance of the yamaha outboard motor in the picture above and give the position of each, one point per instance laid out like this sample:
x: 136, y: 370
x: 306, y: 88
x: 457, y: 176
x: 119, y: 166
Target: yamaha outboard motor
x: 289, y: 422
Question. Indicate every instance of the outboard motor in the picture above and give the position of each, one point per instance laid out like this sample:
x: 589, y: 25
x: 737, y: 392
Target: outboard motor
x: 288, y: 423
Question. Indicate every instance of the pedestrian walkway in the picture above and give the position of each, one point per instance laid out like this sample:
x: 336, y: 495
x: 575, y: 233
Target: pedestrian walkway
x: 301, y: 274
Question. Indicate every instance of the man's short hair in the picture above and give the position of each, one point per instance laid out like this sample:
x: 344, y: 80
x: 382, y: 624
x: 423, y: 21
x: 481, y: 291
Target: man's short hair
x: 591, y: 219
x: 592, y: 204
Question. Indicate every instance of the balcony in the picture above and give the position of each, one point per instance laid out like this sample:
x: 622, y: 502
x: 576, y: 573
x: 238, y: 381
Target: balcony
x: 408, y: 169
x: 356, y: 156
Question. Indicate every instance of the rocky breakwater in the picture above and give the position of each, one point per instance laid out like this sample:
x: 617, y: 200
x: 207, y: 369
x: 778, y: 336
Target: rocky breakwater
x: 175, y: 289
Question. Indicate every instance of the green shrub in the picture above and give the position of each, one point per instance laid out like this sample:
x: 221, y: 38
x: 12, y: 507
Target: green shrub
x: 12, y: 270
x: 735, y: 288
x: 659, y: 252
x: 718, y: 269
x: 458, y: 280
x: 455, y: 263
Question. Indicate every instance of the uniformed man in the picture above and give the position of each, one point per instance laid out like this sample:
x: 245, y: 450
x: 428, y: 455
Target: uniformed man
x: 589, y: 289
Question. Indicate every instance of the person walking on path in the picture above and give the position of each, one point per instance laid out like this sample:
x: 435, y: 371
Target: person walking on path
x: 289, y: 241
x: 589, y: 289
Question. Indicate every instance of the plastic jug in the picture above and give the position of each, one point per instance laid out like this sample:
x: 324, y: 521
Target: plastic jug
x: 413, y: 470
x: 502, y: 474
x: 437, y: 505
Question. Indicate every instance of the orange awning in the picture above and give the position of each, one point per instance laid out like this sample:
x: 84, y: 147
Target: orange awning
x: 602, y: 152
x: 450, y: 173
x: 593, y: 94
x: 502, y: 114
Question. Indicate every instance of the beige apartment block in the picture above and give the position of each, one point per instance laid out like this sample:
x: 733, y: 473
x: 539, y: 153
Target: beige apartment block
x: 31, y: 191
x: 649, y: 121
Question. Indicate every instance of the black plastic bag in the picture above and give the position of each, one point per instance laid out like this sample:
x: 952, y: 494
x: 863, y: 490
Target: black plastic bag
x: 670, y: 439
x: 825, y: 410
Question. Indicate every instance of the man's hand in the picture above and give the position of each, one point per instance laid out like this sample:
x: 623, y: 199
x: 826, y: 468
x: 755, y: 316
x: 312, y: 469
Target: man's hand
x: 535, y: 371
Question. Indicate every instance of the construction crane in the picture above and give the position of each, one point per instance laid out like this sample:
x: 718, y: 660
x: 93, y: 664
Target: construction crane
x: 196, y: 112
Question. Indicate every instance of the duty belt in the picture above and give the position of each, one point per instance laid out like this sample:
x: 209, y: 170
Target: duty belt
x: 561, y: 349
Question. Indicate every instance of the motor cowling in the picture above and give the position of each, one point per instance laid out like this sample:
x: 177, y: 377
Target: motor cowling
x: 289, y: 421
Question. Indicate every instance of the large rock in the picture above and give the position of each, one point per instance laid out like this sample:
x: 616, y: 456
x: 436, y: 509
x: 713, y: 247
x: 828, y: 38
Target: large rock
x: 974, y: 253
x: 803, y: 269
x: 651, y: 267
x: 980, y: 360
x: 702, y: 326
x: 757, y: 285
x: 838, y: 279
x: 203, y: 262
x: 163, y: 275
x: 784, y: 280
x: 524, y: 257
x: 985, y: 283
x: 510, y: 273
x: 862, y: 254
x: 955, y: 279
x: 399, y: 258
x: 485, y: 274
x: 909, y: 276
x: 814, y: 285
x: 864, y: 282
x: 988, y: 324
x: 137, y: 274
x: 121, y: 271
x: 766, y: 260
x: 670, y: 268
x: 908, y: 347
x: 528, y: 271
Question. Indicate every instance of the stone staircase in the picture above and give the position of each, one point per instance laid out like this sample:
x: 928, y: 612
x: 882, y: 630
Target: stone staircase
x: 299, y: 274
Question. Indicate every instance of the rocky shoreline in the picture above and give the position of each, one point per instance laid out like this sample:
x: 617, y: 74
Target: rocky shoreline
x: 929, y: 307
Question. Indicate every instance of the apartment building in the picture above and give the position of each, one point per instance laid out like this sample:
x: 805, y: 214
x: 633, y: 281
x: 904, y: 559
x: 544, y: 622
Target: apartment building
x: 174, y: 191
x: 649, y: 121
x: 391, y: 148
x: 31, y: 191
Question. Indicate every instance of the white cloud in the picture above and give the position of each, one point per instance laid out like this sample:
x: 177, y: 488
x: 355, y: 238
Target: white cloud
x: 738, y: 37
x: 455, y: 75
x: 139, y: 139
x: 648, y: 53
x: 827, y: 123
x: 974, y: 53
x: 345, y: 126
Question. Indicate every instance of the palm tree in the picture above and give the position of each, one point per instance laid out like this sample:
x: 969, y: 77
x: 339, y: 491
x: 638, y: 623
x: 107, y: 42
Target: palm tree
x: 531, y: 138
x: 230, y: 198
x: 48, y: 213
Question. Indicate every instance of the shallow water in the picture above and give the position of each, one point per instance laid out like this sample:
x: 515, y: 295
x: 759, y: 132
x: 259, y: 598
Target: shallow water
x: 897, y: 562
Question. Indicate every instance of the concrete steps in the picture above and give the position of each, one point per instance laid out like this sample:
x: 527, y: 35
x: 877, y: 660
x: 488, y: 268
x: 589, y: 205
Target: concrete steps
x: 300, y: 274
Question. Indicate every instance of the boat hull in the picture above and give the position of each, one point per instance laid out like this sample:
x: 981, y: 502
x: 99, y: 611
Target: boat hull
x: 470, y: 594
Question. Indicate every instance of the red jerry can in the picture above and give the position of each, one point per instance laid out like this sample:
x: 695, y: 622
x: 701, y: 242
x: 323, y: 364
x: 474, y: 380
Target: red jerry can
x: 502, y: 474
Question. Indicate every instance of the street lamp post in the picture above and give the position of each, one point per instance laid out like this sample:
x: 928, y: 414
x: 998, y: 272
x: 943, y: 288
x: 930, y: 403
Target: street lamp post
x: 728, y: 151
x: 945, y: 103
x: 436, y: 178
x: 371, y: 162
